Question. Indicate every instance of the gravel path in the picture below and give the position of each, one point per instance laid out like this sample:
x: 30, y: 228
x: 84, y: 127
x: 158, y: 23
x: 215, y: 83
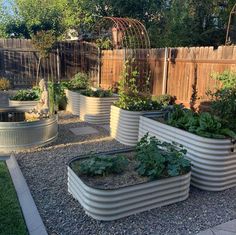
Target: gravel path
x: 46, y: 174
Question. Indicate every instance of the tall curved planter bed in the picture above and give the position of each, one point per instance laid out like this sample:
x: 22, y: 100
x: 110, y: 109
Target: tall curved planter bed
x: 96, y: 110
x: 112, y: 204
x: 21, y: 135
x: 24, y: 105
x: 214, y: 160
x: 124, y: 125
x: 73, y: 102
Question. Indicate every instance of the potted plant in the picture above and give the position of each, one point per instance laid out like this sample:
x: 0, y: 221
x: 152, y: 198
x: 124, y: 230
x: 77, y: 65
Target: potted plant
x: 210, y: 144
x: 95, y: 105
x: 116, y: 184
x: 73, y: 88
x: 134, y: 100
x: 26, y: 99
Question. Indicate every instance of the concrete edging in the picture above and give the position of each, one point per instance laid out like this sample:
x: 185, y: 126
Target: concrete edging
x: 214, y: 164
x: 30, y: 212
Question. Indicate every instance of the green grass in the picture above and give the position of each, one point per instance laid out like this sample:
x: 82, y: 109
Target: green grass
x: 11, y: 219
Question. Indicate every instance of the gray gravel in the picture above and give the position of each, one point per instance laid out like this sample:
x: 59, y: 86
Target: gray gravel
x: 46, y: 174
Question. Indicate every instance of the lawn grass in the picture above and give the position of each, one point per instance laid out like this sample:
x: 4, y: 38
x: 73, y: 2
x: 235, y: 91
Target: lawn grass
x: 11, y: 218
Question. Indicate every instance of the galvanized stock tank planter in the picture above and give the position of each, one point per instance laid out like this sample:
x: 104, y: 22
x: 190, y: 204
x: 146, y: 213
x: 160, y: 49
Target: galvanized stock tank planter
x: 112, y: 204
x: 124, y: 125
x: 23, y: 104
x: 17, y: 134
x: 213, y: 160
x: 73, y: 102
x: 96, y: 110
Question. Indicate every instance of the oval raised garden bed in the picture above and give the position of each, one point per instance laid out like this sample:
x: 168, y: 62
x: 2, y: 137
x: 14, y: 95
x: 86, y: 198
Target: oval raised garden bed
x: 96, y: 110
x: 73, y: 102
x: 112, y: 204
x: 17, y: 134
x: 213, y: 160
x: 124, y: 125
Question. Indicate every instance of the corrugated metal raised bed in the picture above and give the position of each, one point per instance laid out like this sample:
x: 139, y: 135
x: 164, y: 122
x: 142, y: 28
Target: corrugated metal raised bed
x: 23, y: 104
x: 124, y: 125
x: 17, y: 134
x: 213, y: 160
x: 112, y: 204
x: 73, y: 102
x: 96, y: 110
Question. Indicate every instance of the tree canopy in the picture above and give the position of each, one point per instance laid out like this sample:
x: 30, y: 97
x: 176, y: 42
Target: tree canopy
x: 169, y: 22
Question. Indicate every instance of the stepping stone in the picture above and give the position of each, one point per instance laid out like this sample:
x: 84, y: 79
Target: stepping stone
x: 87, y: 130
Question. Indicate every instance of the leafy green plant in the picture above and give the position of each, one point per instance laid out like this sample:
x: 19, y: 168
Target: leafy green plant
x: 102, y: 165
x: 27, y: 95
x: 78, y: 82
x: 104, y: 43
x: 97, y: 93
x: 227, y: 78
x: 4, y: 84
x: 223, y: 99
x: 165, y: 100
x: 134, y: 95
x: 203, y: 124
x: 160, y: 159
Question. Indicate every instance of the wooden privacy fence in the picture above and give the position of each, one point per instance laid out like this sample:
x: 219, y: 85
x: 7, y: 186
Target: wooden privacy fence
x: 188, y: 70
x: 176, y: 71
x: 18, y: 61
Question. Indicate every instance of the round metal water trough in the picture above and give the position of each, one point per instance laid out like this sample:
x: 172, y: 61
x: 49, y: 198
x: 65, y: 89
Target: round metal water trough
x: 17, y: 134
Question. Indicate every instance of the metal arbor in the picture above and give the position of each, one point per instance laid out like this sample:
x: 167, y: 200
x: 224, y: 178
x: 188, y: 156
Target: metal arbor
x: 126, y: 33
x: 231, y: 29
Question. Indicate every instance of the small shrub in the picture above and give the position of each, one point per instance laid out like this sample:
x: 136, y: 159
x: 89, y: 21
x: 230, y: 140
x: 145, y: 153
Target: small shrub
x: 160, y: 159
x: 27, y: 95
x: 78, y: 82
x: 102, y: 165
x: 4, y: 84
x: 223, y: 99
x: 97, y: 93
x: 165, y: 100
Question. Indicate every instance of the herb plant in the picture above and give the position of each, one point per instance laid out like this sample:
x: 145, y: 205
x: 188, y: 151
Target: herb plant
x: 203, y: 124
x: 160, y: 159
x: 102, y: 165
x: 97, y: 93
x: 133, y: 94
x: 27, y: 95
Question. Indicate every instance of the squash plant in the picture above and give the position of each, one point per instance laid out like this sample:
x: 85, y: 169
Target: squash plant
x: 160, y: 159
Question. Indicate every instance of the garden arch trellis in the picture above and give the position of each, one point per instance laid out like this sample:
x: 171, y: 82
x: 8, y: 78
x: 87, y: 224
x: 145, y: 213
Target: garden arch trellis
x: 131, y: 36
x: 231, y: 29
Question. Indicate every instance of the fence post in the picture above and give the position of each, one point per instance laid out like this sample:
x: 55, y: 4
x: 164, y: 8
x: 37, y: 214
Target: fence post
x: 58, y: 65
x: 99, y: 67
x: 165, y: 72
